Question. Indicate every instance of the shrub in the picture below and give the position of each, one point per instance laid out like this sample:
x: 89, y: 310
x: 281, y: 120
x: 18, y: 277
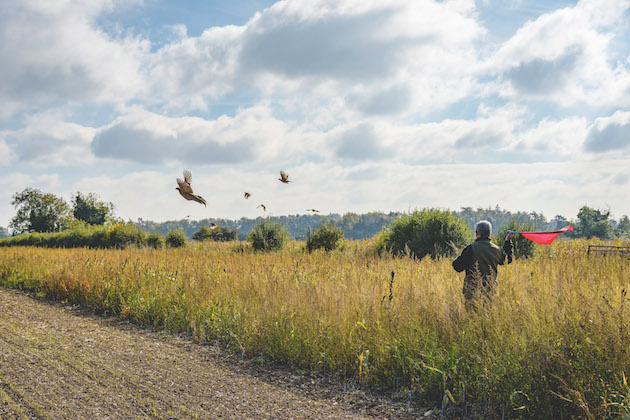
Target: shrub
x: 523, y: 247
x: 326, y: 236
x: 121, y: 236
x: 268, y: 236
x: 221, y: 234
x: 155, y: 240
x: 426, y: 232
x: 176, y: 238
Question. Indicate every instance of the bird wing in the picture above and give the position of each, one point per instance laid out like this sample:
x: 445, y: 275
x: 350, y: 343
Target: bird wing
x: 184, y: 187
x: 284, y: 176
x: 187, y: 177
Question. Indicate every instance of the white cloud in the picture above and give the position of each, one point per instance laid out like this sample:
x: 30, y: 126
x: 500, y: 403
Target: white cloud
x: 253, y: 135
x: 47, y: 140
x: 609, y: 134
x: 370, y: 51
x: 53, y: 51
x: 566, y: 56
x: 6, y: 153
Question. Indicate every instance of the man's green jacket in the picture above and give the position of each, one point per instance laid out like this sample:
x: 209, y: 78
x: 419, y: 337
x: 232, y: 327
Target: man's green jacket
x: 480, y: 260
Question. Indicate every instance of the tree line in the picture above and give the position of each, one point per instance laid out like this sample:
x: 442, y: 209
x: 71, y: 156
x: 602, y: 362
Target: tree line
x: 38, y: 211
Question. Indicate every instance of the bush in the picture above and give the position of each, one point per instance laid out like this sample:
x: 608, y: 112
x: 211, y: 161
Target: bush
x: 221, y: 234
x: 523, y: 247
x: 155, y: 240
x: 326, y: 236
x: 176, y: 238
x: 268, y: 236
x: 121, y: 236
x: 426, y: 232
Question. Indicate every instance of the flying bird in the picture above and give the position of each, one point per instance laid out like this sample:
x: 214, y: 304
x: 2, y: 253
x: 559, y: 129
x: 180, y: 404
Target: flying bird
x: 313, y: 210
x: 247, y: 195
x: 186, y: 190
x: 263, y: 207
x: 284, y: 178
x: 213, y: 225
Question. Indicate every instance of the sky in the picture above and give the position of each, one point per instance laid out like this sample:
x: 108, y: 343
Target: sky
x: 368, y: 105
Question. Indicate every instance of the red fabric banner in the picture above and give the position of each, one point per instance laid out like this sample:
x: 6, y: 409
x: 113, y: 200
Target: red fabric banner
x: 545, y: 238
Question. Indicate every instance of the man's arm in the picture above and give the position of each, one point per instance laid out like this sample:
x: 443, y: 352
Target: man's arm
x: 464, y: 261
x: 508, y: 248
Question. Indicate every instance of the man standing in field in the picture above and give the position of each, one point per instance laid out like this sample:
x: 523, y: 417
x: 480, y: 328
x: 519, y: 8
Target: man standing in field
x: 480, y: 260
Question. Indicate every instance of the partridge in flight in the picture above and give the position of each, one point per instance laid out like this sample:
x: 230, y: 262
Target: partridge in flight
x: 186, y: 190
x: 263, y: 207
x: 247, y: 195
x: 284, y: 178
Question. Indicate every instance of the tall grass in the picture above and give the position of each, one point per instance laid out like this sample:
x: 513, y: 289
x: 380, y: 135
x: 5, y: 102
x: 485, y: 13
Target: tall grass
x: 554, y: 343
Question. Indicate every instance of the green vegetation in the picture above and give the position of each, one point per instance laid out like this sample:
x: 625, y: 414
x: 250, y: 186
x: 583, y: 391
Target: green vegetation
x: 176, y: 239
x: 220, y: 234
x: 112, y: 236
x: 431, y: 232
x: 554, y: 342
x: 523, y: 247
x: 89, y: 209
x: 268, y: 236
x: 155, y: 240
x: 39, y: 212
x: 594, y: 223
x: 326, y: 237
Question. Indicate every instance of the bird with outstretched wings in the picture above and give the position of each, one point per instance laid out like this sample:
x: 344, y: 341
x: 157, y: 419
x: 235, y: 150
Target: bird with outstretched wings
x: 186, y: 191
x: 263, y: 207
x: 213, y: 225
x: 284, y: 177
x: 247, y: 195
x: 313, y: 210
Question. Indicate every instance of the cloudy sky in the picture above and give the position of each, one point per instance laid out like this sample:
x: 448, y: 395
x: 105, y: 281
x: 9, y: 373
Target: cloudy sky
x: 368, y: 105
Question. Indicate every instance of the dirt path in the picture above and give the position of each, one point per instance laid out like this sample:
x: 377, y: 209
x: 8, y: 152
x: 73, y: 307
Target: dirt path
x: 57, y: 362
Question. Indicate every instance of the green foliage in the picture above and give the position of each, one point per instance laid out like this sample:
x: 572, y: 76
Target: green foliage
x: 594, y: 223
x: 268, y: 236
x: 431, y: 232
x: 114, y: 236
x: 90, y: 209
x: 3, y: 232
x: 220, y: 234
x: 623, y: 228
x: 121, y: 236
x: 176, y: 239
x: 155, y: 240
x: 327, y: 237
x: 39, y: 212
x: 523, y: 247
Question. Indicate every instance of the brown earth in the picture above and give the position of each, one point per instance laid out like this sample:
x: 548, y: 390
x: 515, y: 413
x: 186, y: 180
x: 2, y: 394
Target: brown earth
x: 59, y: 362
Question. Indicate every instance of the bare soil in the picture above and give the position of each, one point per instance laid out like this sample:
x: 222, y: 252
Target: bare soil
x: 59, y: 362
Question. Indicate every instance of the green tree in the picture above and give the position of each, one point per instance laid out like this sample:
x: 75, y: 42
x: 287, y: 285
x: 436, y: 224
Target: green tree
x: 220, y: 234
x: 431, y: 232
x: 326, y: 236
x: 3, y: 232
x: 176, y: 238
x: 268, y: 236
x: 623, y: 227
x: 594, y: 223
x: 39, y: 212
x: 90, y: 209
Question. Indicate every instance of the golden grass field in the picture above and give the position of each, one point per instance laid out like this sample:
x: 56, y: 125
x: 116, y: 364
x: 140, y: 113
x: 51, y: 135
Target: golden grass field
x: 553, y: 343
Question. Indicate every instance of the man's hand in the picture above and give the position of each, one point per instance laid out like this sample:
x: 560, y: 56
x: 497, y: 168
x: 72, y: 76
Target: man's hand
x: 509, y: 236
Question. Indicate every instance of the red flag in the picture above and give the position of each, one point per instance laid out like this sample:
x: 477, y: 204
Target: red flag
x: 545, y: 238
